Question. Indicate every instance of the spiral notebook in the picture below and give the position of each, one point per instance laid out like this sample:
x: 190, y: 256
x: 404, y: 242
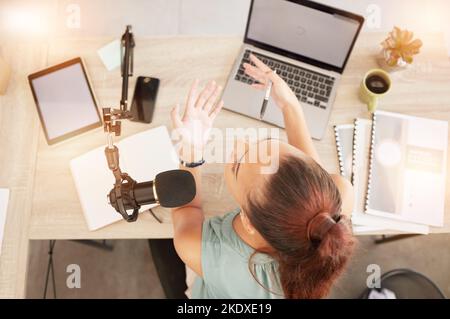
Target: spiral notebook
x: 344, y: 146
x: 408, y: 167
x: 360, y: 163
x: 344, y: 135
x: 360, y: 178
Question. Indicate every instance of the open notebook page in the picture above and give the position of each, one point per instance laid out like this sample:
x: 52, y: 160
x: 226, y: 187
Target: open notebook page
x: 142, y: 156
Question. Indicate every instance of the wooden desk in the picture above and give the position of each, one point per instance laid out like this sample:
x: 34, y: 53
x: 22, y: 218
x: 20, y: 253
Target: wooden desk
x: 19, y: 129
x: 56, y: 213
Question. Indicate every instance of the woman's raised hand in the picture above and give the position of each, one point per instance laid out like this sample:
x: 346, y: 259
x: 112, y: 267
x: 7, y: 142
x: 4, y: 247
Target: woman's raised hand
x: 199, y: 114
x: 281, y: 92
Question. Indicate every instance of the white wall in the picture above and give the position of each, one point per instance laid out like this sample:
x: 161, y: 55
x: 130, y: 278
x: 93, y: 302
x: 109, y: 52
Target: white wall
x: 210, y: 17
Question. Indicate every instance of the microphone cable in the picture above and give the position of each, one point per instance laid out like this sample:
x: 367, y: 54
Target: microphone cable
x: 154, y: 215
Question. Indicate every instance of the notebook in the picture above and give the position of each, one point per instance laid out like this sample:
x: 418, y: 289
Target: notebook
x: 142, y: 156
x: 408, y: 167
x: 4, y: 197
x: 360, y: 176
x: 360, y: 163
x: 344, y: 135
x: 344, y: 145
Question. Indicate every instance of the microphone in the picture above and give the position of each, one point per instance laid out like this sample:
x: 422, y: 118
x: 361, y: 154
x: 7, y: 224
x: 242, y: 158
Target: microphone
x: 169, y: 189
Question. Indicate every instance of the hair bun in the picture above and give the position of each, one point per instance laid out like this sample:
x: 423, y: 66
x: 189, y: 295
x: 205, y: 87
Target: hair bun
x: 319, y: 225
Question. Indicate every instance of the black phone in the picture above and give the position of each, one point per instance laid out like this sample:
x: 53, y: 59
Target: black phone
x: 144, y: 99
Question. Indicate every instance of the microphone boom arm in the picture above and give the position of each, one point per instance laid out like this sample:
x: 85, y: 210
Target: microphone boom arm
x: 112, y: 126
x: 112, y: 117
x: 122, y: 180
x: 128, y: 194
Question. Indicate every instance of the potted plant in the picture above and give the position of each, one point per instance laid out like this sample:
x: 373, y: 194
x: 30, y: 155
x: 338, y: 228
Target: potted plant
x: 399, y: 49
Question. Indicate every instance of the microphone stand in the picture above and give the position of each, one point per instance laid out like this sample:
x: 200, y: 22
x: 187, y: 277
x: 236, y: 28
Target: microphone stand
x: 112, y: 126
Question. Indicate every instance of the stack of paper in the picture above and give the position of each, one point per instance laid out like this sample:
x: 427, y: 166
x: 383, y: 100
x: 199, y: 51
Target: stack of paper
x: 398, y: 172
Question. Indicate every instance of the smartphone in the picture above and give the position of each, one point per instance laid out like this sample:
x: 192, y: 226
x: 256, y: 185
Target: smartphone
x: 144, y: 99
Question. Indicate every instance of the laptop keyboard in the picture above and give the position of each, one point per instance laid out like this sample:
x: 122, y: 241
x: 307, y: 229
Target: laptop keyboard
x: 310, y: 87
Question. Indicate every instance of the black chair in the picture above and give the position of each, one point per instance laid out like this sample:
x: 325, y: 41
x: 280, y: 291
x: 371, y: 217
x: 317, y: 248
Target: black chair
x: 170, y: 268
x: 408, y: 284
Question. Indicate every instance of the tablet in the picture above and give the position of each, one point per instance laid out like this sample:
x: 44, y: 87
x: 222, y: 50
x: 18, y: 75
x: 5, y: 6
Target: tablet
x: 65, y: 101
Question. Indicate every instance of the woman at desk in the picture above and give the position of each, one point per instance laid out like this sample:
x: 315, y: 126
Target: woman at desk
x: 290, y: 237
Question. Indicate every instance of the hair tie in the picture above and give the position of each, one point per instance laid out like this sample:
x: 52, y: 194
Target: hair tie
x: 324, y: 223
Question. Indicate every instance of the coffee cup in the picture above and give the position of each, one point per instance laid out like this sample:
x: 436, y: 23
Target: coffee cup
x: 375, y: 84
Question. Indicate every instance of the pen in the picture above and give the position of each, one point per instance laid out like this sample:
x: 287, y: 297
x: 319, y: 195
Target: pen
x: 266, y: 100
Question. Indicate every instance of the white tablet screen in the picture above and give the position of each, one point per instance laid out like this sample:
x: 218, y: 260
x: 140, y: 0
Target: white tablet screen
x: 65, y: 101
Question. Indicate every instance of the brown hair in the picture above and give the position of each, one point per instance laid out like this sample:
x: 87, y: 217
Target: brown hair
x: 298, y: 214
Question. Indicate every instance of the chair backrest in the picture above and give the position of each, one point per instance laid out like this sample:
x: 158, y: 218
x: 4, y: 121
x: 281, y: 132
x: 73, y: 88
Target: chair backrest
x: 408, y: 284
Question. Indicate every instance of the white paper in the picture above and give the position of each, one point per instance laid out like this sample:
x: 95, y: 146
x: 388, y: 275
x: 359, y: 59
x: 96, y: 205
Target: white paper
x: 361, y: 230
x: 383, y: 224
x: 344, y: 144
x: 409, y: 164
x: 360, y: 179
x: 4, y: 197
x: 360, y: 171
x: 142, y: 156
x: 110, y: 55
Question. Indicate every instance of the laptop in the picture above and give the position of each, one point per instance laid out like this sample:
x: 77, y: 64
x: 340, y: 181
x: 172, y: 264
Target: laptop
x: 308, y: 44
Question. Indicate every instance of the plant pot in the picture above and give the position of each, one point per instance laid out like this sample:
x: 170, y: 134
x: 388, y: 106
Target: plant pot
x: 382, y: 62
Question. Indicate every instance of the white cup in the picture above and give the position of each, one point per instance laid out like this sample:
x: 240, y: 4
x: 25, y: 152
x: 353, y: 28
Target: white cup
x: 5, y: 73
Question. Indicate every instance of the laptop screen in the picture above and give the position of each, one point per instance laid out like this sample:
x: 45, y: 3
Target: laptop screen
x: 324, y: 35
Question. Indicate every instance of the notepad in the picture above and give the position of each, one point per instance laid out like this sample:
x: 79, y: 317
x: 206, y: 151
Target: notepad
x: 4, y: 197
x: 360, y: 167
x: 408, y: 168
x: 344, y: 146
x: 360, y: 176
x: 142, y: 156
x: 110, y: 55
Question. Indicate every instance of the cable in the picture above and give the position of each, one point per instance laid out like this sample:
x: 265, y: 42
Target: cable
x: 154, y: 215
x: 50, y: 270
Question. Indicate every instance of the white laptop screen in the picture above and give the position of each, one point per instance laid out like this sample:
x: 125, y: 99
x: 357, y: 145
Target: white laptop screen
x: 299, y: 29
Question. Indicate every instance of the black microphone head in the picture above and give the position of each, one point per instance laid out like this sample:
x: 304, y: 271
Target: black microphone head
x: 175, y: 188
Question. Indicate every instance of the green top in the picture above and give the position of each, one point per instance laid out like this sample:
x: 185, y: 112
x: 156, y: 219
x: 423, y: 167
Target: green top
x: 225, y: 260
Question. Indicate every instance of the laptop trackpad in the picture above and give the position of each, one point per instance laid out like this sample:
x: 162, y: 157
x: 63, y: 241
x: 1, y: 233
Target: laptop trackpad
x: 273, y: 114
x: 242, y: 98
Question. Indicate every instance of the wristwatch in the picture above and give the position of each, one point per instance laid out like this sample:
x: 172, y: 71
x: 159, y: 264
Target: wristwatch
x: 192, y: 164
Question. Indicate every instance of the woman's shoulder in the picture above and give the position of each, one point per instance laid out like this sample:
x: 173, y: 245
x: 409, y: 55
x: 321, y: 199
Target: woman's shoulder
x: 226, y: 259
x: 219, y: 229
x: 220, y: 238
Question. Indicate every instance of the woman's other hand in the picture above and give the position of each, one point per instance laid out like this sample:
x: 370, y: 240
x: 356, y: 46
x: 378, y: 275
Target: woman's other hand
x: 194, y: 126
x: 281, y: 92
